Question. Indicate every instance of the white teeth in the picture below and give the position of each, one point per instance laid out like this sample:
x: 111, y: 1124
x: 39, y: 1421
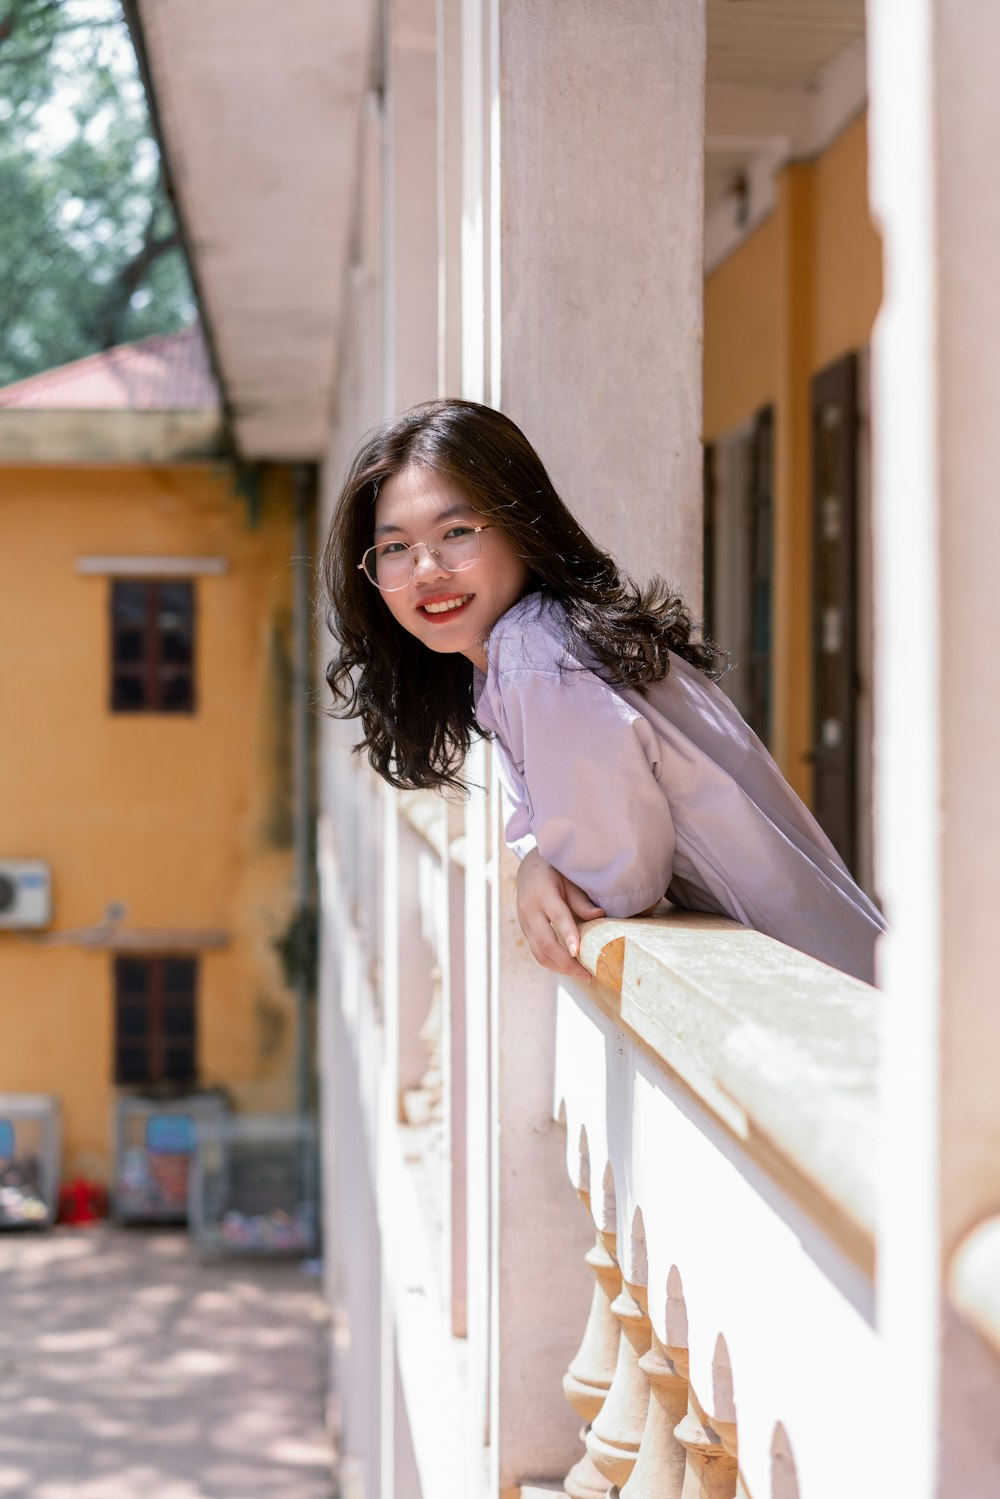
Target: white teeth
x: 447, y: 604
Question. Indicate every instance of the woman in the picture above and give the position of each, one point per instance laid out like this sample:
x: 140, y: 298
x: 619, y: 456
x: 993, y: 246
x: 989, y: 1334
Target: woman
x: 465, y: 599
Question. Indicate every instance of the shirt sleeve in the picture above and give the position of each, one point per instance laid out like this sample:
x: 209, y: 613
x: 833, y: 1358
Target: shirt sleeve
x: 590, y: 767
x: 517, y: 809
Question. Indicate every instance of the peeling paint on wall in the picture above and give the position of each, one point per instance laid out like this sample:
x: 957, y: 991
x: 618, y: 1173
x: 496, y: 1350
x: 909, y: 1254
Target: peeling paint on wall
x: 271, y: 1027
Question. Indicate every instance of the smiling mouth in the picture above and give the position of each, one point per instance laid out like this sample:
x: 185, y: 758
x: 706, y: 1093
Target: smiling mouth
x: 446, y: 606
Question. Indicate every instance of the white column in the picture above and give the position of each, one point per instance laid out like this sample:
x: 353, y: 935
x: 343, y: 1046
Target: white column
x: 475, y: 198
x: 450, y: 187
x: 540, y: 1291
x: 935, y: 141
x: 456, y: 1081
x: 391, y: 1407
x: 409, y: 371
x: 479, y: 1116
x: 411, y: 219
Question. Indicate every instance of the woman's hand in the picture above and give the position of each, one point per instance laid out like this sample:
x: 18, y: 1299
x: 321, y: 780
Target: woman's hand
x: 548, y: 908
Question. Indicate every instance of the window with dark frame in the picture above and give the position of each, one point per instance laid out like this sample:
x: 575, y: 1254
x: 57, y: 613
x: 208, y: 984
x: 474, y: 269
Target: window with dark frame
x: 709, y: 540
x: 152, y: 645
x: 156, y: 1020
x: 760, y: 554
x: 738, y: 546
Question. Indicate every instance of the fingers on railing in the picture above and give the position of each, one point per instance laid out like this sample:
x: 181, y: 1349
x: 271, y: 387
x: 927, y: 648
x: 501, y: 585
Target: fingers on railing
x: 647, y: 1434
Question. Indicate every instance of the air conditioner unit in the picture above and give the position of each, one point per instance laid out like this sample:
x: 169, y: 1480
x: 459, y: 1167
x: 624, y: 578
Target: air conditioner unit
x: 25, y: 893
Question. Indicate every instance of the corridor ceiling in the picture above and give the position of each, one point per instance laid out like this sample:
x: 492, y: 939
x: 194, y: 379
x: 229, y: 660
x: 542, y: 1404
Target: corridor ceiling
x: 257, y: 105
x: 781, y: 76
x: 782, y: 44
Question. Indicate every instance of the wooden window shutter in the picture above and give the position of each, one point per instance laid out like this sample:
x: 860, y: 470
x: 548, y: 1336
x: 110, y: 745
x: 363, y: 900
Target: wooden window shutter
x: 760, y: 555
x: 835, y: 634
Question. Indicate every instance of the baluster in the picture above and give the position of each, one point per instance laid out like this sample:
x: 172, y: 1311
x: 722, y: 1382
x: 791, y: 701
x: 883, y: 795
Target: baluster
x: 727, y: 1436
x: 710, y: 1471
x: 614, y: 1437
x: 659, y: 1469
x: 422, y: 1105
x: 588, y: 1378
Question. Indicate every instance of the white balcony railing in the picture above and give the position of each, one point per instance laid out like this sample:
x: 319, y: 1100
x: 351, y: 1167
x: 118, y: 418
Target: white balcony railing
x: 714, y: 1096
x: 719, y: 1094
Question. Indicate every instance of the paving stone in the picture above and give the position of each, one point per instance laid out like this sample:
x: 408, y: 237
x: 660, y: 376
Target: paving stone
x: 131, y: 1370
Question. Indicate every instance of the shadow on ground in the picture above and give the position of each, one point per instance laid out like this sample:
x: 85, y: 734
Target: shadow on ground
x: 129, y: 1370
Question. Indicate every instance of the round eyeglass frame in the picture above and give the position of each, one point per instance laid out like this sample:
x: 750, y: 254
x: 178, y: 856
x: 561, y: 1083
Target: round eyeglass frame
x: 411, y: 546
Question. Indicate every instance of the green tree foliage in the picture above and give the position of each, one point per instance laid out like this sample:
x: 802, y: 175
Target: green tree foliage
x: 89, y: 248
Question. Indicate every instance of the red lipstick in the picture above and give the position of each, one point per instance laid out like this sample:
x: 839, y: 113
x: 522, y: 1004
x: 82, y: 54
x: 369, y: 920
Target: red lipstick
x: 442, y: 597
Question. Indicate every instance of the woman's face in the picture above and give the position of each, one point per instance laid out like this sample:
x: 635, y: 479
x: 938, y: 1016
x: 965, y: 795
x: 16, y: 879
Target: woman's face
x: 448, y: 611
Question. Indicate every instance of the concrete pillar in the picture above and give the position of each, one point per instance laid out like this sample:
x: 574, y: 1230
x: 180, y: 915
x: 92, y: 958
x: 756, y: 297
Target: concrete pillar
x: 539, y: 1289
x: 411, y: 206
x: 596, y: 263
x: 388, y: 904
x: 581, y: 317
x: 935, y: 138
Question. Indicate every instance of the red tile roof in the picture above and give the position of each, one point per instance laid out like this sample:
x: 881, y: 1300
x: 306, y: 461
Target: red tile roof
x: 165, y: 373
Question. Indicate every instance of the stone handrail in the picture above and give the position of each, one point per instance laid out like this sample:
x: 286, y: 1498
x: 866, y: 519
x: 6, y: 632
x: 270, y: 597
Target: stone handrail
x: 783, y: 1049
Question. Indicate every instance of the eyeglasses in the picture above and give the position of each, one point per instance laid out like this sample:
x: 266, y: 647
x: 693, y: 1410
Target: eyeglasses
x: 391, y: 564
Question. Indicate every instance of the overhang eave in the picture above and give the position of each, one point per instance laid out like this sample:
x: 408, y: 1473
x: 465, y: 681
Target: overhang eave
x: 257, y: 109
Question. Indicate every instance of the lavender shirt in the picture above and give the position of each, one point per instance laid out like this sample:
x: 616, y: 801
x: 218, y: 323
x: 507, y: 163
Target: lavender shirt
x: 633, y: 797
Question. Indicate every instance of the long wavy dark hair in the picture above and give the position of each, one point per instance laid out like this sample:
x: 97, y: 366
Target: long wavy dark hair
x: 415, y: 705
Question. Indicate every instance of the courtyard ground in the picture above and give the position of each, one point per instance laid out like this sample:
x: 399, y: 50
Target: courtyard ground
x: 130, y: 1370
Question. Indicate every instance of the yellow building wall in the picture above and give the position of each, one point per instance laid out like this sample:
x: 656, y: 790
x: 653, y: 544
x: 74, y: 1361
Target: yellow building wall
x: 744, y: 300
x: 800, y: 292
x: 847, y: 275
x: 183, y: 818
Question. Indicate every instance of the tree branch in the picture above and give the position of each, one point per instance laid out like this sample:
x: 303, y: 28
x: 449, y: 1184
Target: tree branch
x: 108, y: 328
x: 18, y: 60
